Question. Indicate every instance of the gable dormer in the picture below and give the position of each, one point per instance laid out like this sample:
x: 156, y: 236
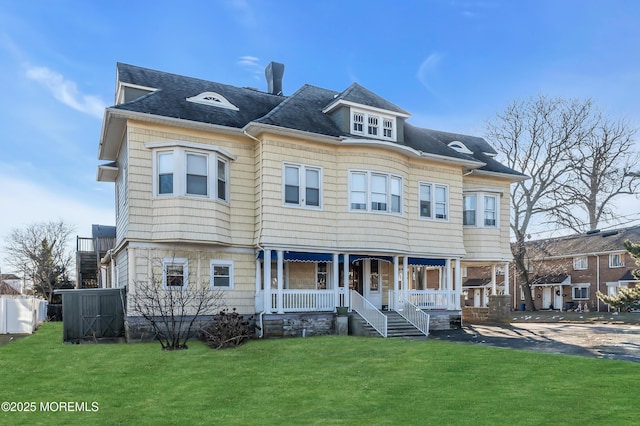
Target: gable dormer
x: 362, y: 113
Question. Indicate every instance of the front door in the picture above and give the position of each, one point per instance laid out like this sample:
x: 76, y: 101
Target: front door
x: 477, y: 297
x: 546, y: 297
x: 557, y: 299
x: 372, y: 283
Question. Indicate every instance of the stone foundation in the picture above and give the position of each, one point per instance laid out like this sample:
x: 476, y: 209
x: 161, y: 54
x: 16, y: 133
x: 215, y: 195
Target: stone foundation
x: 299, y: 325
x: 498, y: 312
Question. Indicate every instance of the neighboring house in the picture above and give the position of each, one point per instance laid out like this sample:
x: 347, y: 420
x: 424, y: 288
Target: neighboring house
x: 90, y: 252
x: 569, y: 271
x: 314, y: 194
x: 10, y: 285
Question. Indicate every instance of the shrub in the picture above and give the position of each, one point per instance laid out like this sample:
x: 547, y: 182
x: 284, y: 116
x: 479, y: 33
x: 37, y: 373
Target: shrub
x: 229, y: 329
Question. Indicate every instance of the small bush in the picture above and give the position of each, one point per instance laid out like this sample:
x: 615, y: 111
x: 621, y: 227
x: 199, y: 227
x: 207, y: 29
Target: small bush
x: 228, y: 329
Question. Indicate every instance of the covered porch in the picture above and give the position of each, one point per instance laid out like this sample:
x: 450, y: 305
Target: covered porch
x: 320, y: 282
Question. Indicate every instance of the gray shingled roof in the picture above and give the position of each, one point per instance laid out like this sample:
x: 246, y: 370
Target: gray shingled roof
x: 476, y: 282
x: 363, y: 96
x: 300, y: 111
x: 599, y: 242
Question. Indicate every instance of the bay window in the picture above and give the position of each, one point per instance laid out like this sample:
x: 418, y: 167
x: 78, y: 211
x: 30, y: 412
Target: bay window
x: 375, y: 192
x: 480, y: 209
x: 189, y: 172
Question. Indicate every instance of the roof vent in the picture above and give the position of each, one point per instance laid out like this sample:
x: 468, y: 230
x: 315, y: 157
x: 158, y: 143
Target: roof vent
x: 593, y: 231
x: 274, y: 73
x: 609, y: 234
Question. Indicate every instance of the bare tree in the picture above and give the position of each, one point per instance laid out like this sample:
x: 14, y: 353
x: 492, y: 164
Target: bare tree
x: 536, y: 137
x: 599, y: 172
x: 173, y: 305
x: 41, y: 252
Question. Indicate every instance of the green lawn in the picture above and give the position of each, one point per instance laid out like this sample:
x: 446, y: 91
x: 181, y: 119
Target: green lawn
x: 319, y: 380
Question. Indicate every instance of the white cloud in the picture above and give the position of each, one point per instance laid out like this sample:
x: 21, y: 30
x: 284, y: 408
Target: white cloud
x: 66, y: 91
x: 251, y: 64
x: 25, y: 202
x: 427, y: 68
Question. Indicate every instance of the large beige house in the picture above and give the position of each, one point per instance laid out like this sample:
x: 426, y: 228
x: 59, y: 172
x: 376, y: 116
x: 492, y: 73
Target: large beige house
x: 330, y: 198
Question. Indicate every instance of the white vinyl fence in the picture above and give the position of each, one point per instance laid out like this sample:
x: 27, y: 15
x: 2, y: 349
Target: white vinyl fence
x: 21, y: 315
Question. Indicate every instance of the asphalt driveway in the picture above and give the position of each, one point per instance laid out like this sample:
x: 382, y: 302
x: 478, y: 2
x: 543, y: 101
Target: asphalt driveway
x: 613, y: 341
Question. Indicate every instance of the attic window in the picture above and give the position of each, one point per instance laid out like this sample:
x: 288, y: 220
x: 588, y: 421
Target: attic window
x: 214, y: 99
x: 460, y: 147
x: 372, y: 125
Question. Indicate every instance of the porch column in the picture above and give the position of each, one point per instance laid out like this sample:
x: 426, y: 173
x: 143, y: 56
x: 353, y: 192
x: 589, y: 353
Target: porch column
x: 458, y: 284
x: 280, y: 254
x: 258, y: 302
x: 336, y: 278
x: 493, y: 280
x: 267, y: 281
x: 396, y: 281
x: 405, y: 277
x: 506, y: 278
x: 447, y: 277
x: 345, y: 280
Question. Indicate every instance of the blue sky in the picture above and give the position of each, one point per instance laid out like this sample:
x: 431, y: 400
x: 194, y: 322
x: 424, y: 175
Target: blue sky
x: 452, y: 64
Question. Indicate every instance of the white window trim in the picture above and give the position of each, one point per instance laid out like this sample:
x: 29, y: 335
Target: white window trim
x: 219, y: 262
x: 302, y: 185
x: 433, y: 202
x: 327, y: 284
x: 213, y: 99
x: 180, y: 172
x: 368, y: 192
x: 578, y: 265
x: 365, y: 124
x: 167, y: 261
x: 580, y: 285
x: 619, y: 264
x: 480, y: 208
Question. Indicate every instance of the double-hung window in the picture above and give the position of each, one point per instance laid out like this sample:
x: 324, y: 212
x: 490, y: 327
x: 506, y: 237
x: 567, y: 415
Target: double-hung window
x: 434, y: 201
x: 580, y: 263
x: 165, y: 173
x: 580, y: 291
x: 191, y: 172
x: 302, y: 185
x: 375, y: 192
x: 175, y: 273
x: 197, y: 174
x: 616, y: 260
x: 221, y: 274
x: 469, y: 212
x: 490, y: 216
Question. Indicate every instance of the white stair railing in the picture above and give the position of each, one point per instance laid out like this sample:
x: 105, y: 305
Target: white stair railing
x: 413, y: 314
x: 369, y: 313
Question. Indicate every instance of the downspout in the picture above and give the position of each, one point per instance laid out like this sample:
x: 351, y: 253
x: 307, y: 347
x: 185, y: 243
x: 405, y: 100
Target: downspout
x: 598, y: 281
x: 259, y: 238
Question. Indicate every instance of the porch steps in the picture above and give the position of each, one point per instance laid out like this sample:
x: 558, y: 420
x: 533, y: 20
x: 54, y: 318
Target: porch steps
x: 397, y: 326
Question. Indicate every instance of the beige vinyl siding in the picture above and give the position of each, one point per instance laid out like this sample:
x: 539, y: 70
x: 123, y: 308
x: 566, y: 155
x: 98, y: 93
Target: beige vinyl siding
x: 185, y: 218
x: 148, y: 267
x: 334, y: 226
x: 122, y: 269
x: 122, y: 190
x: 489, y: 243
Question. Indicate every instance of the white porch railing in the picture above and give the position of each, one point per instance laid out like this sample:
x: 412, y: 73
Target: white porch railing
x: 304, y: 300
x: 413, y: 314
x: 369, y: 313
x: 433, y: 299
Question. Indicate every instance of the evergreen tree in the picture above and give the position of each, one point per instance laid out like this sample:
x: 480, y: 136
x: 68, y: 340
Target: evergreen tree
x: 627, y: 298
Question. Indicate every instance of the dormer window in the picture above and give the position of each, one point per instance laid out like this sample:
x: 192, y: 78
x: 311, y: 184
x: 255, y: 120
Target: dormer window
x: 377, y: 126
x: 213, y: 99
x: 372, y: 128
x: 358, y: 122
x: 387, y: 128
x: 460, y: 147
